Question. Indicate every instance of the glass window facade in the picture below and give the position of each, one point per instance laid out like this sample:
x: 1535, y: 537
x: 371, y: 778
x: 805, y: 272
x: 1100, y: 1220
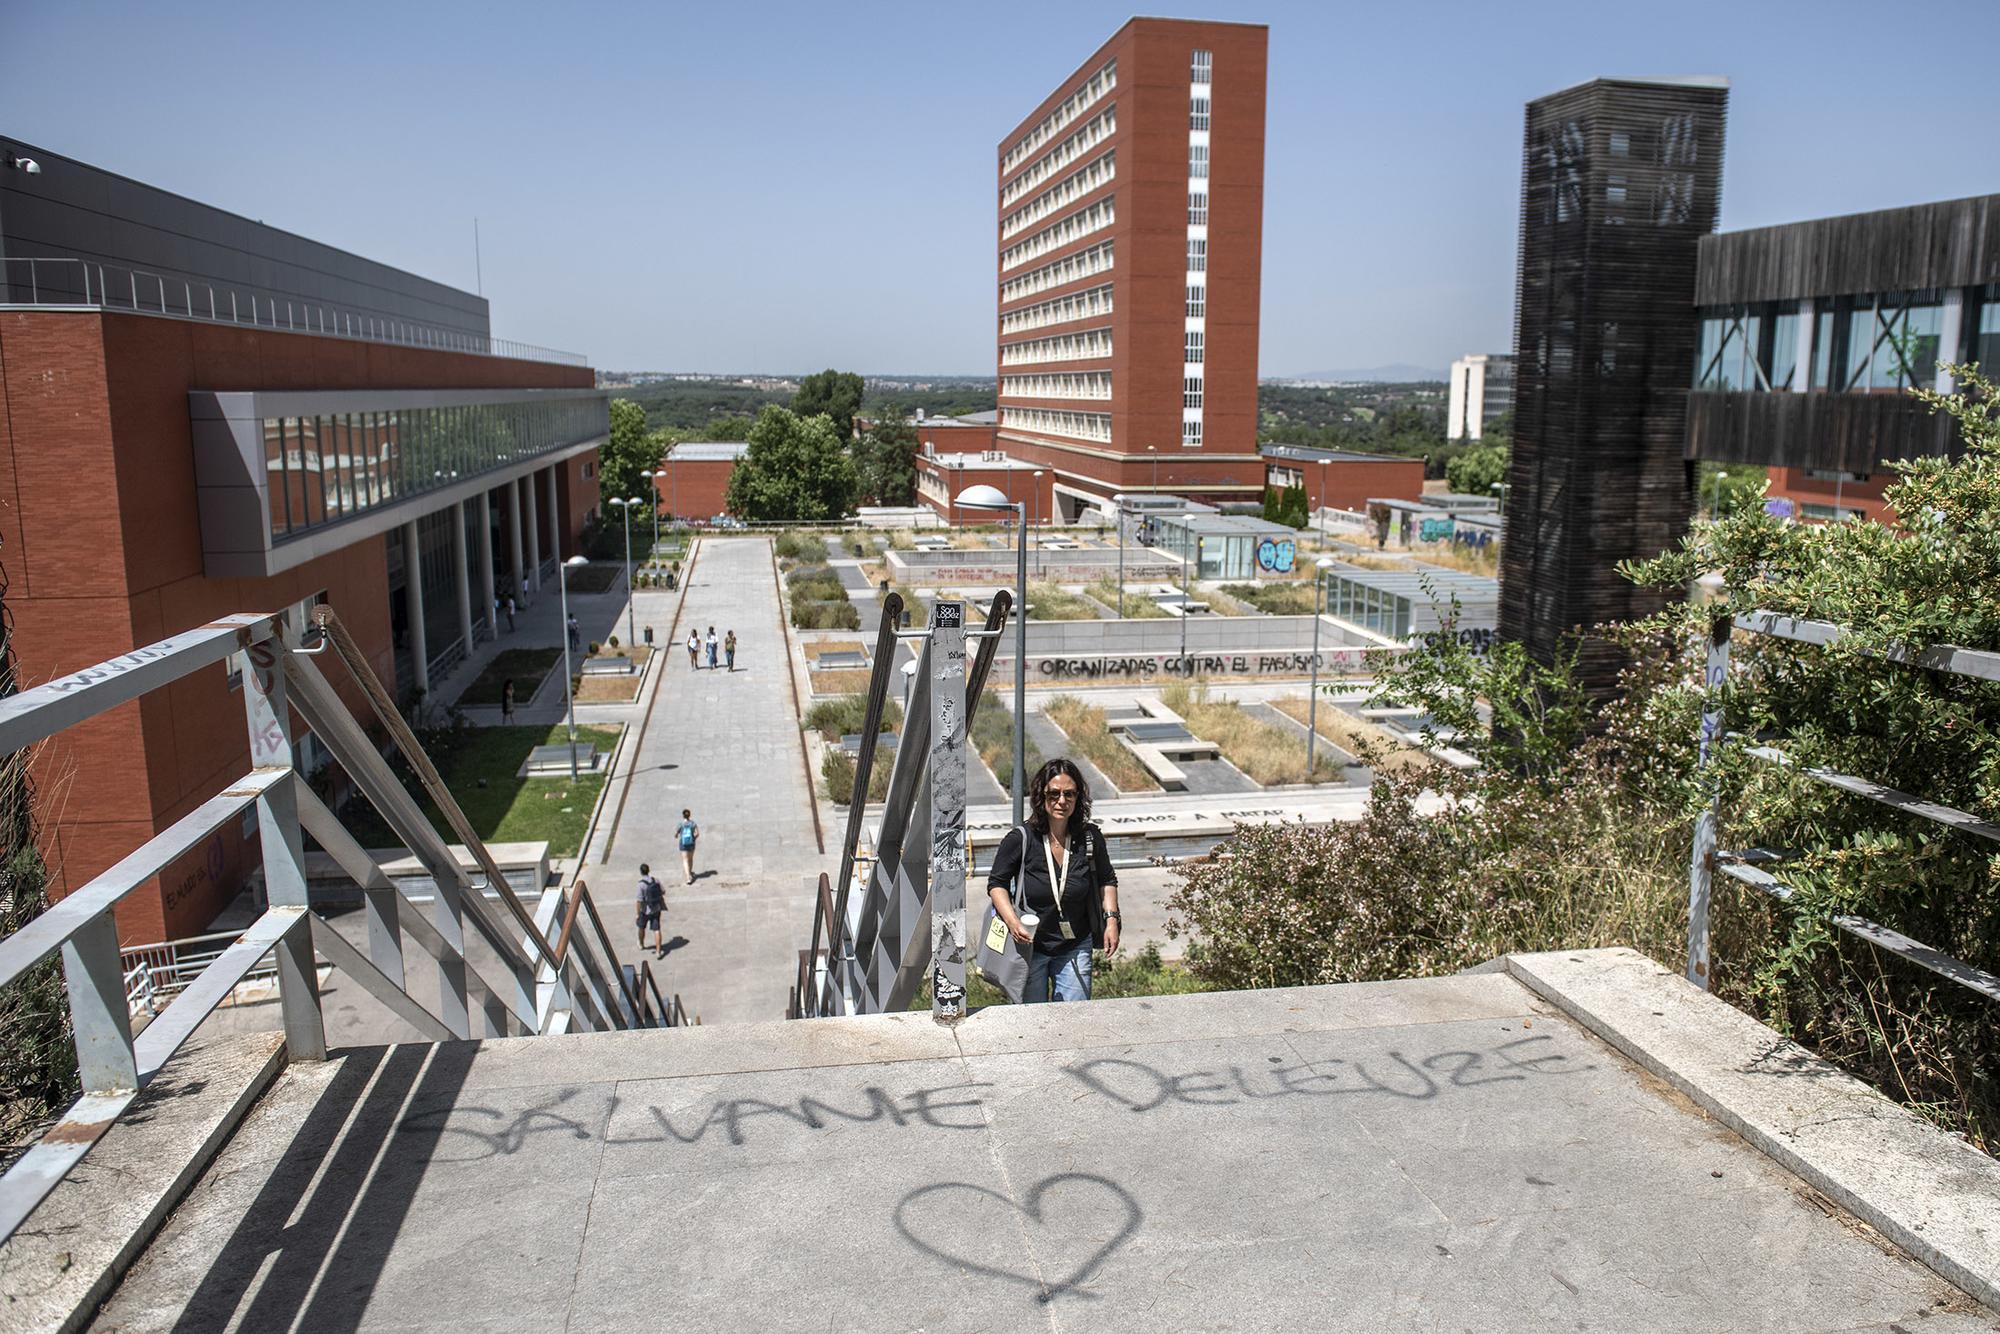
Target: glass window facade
x: 325, y: 468
x: 1869, y: 343
x: 1374, y: 609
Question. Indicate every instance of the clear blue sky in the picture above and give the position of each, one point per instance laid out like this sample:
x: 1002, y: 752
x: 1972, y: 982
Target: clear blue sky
x: 785, y: 187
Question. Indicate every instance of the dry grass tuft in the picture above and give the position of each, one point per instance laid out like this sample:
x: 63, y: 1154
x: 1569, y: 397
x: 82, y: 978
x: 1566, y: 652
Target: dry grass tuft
x: 1264, y: 751
x: 1087, y: 731
x: 1365, y: 741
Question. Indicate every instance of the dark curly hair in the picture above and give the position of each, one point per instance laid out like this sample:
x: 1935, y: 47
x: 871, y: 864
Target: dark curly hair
x: 1038, y: 791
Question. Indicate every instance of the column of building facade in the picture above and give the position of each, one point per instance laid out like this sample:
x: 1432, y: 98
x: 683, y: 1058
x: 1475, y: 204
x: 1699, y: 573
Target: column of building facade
x: 555, y: 517
x: 413, y: 606
x: 534, y: 534
x: 514, y: 541
x: 461, y: 574
x: 486, y: 590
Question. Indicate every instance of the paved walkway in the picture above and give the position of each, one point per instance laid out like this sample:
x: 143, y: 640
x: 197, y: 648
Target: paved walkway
x: 1445, y: 1153
x: 725, y: 745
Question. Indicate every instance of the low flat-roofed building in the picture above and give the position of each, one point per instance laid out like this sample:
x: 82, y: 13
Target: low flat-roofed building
x: 1398, y: 606
x: 942, y: 477
x: 1338, y: 479
x: 1230, y: 546
x: 693, y: 478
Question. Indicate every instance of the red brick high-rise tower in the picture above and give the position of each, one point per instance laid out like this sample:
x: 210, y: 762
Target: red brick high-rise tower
x: 1131, y: 210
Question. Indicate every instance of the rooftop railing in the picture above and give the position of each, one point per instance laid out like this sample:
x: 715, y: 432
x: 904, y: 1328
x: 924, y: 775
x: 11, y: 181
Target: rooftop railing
x: 551, y: 976
x: 85, y: 284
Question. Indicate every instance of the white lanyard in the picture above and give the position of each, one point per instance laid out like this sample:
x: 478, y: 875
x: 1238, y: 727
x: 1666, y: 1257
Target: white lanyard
x: 1061, y: 887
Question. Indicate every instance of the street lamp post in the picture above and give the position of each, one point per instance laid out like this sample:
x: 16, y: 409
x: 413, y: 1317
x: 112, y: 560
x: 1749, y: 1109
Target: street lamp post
x: 1322, y: 501
x: 984, y: 497
x: 1154, y: 451
x: 1119, y: 502
x: 653, y: 489
x: 1038, y: 519
x: 1185, y: 567
x: 1320, y: 567
x: 569, y: 695
x: 631, y: 616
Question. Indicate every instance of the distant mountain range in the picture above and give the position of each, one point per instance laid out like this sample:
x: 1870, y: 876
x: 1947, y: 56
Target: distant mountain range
x: 1396, y: 372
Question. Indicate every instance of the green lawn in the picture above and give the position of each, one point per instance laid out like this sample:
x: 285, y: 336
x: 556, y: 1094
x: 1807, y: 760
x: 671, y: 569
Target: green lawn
x: 597, y: 577
x: 478, y: 765
x: 526, y: 665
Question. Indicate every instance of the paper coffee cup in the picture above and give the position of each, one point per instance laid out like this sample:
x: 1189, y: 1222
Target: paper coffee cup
x: 1031, y: 920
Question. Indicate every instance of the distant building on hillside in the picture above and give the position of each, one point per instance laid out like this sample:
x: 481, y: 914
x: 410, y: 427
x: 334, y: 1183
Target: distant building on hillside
x: 1482, y: 390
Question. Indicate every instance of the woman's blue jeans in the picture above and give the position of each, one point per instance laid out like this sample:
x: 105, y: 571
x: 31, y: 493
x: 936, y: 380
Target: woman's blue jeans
x: 1068, y: 970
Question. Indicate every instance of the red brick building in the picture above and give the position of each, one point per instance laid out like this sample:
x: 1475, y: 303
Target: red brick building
x: 1130, y: 256
x: 1339, y: 480
x: 1817, y: 495
x: 278, y: 424
x: 693, y: 480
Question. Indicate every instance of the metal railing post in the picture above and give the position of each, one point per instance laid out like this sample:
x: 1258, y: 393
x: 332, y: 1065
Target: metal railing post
x: 1701, y: 860
x: 269, y: 718
x: 98, y: 1008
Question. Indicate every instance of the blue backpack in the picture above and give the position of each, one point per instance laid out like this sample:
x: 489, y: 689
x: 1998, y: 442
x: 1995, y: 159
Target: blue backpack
x: 687, y: 835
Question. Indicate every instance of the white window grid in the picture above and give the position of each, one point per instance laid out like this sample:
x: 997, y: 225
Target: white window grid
x: 1051, y: 421
x: 1197, y: 208
x: 1070, y: 268
x: 1073, y: 106
x: 1198, y: 112
x: 1197, y: 254
x: 1079, y: 224
x: 1064, y: 192
x: 1197, y: 161
x: 1191, y: 392
x: 1083, y: 305
x: 1202, y: 67
x: 1197, y: 303
x: 1194, y: 341
x: 1087, y: 384
x: 1064, y: 347
x: 1191, y: 431
x: 1094, y: 132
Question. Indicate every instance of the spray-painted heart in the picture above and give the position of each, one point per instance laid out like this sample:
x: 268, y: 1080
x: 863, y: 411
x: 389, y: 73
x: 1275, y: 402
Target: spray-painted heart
x: 929, y: 1208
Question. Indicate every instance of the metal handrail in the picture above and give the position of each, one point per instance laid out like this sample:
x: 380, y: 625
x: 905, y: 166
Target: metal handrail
x: 279, y: 679
x: 823, y: 992
x: 115, y: 287
x: 1744, y: 866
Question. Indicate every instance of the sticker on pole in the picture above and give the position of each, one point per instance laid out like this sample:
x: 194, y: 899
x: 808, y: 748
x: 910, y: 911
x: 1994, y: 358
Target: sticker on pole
x: 947, y: 613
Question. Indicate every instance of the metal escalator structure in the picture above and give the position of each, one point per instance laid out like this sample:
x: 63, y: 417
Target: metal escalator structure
x: 553, y: 969
x: 872, y: 936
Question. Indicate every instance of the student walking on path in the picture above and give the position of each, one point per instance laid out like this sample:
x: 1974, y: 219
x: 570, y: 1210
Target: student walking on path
x: 694, y: 649
x: 510, y: 613
x: 711, y: 648
x: 1071, y: 890
x: 652, y: 907
x: 575, y: 632
x: 687, y: 836
x: 507, y: 700
x: 729, y: 650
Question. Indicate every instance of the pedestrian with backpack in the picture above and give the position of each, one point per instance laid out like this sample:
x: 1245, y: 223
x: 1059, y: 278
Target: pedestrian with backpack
x: 729, y: 649
x: 1065, y: 882
x: 652, y: 907
x: 687, y: 836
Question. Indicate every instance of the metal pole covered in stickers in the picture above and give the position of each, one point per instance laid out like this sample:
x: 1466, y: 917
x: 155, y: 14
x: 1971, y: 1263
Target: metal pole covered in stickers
x: 947, y: 773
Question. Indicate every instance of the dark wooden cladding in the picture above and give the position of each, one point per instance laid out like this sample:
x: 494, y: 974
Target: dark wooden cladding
x: 1950, y: 244
x: 1838, y: 432
x: 1620, y: 182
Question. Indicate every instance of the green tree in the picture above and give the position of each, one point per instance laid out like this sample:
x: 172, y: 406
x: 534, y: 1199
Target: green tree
x: 630, y: 451
x: 1474, y: 472
x: 1725, y: 488
x: 797, y: 469
x: 886, y: 456
x: 836, y: 394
